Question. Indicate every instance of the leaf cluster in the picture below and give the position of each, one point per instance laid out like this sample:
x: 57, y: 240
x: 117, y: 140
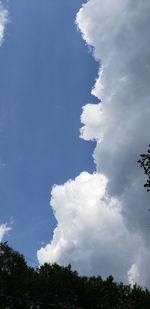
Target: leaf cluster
x: 144, y: 162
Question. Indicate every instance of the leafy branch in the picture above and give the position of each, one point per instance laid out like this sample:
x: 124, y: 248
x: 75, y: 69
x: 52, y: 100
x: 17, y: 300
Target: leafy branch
x: 145, y: 164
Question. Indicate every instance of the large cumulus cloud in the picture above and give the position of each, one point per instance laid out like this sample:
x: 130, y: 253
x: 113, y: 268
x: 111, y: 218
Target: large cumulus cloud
x: 91, y: 232
x: 119, y: 33
x: 102, y: 228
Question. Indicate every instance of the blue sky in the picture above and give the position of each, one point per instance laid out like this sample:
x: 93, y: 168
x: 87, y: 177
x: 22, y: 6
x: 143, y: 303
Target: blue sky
x: 51, y: 84
x: 45, y: 77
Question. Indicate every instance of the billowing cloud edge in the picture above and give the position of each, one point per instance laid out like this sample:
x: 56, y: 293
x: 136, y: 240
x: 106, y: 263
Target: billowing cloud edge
x: 83, y: 214
x: 91, y: 232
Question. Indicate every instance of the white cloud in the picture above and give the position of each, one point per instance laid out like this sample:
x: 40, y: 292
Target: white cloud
x: 4, y: 229
x: 90, y: 117
x: 119, y: 33
x: 96, y: 232
x: 3, y: 22
x: 138, y: 271
x: 133, y: 274
x: 91, y: 233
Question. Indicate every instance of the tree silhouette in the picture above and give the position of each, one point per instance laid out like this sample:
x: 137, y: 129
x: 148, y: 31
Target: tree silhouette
x: 55, y: 286
x: 145, y: 164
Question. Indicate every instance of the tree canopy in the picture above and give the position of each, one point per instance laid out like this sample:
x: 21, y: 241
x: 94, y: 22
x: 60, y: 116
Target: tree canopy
x: 55, y: 286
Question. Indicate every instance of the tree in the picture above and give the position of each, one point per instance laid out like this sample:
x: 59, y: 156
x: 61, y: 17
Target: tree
x: 13, y: 276
x: 55, y: 286
x: 145, y: 164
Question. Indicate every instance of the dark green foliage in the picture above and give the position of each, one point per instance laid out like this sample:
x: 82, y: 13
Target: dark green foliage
x: 54, y: 286
x: 145, y: 164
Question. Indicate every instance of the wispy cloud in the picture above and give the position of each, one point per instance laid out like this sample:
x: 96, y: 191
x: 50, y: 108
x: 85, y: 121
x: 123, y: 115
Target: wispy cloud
x: 3, y: 22
x: 4, y: 229
x: 102, y: 217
